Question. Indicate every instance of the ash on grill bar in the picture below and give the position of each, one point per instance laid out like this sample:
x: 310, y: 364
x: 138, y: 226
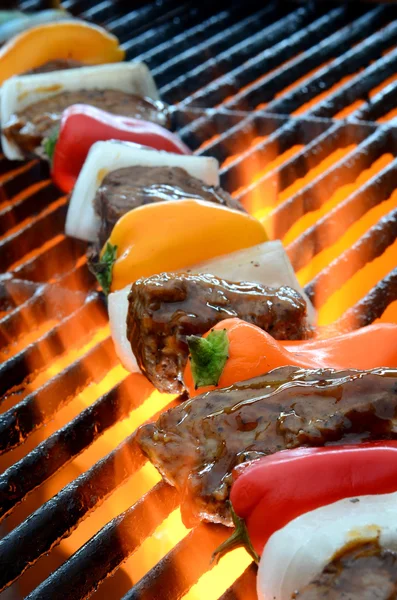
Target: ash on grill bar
x: 110, y: 488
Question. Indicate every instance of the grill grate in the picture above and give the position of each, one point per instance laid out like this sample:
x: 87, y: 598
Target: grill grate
x: 309, y: 158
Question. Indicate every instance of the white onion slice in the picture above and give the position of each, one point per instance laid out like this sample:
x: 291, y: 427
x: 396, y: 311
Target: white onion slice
x: 82, y: 222
x: 267, y: 264
x: 18, y: 92
x: 298, y: 552
x: 118, y: 309
x: 274, y: 269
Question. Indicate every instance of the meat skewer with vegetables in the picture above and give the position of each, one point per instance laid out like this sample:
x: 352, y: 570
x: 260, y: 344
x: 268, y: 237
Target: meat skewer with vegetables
x: 197, y: 444
x: 32, y: 105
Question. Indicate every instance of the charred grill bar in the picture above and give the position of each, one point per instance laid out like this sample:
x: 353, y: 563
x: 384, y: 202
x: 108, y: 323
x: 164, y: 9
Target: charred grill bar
x: 318, y: 82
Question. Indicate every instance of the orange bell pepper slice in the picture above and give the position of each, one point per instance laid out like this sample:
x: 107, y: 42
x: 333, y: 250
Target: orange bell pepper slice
x: 174, y: 235
x: 252, y: 352
x: 79, y: 41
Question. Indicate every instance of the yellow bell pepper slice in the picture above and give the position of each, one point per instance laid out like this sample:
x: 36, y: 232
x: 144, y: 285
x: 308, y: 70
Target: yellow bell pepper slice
x: 80, y: 41
x: 167, y: 236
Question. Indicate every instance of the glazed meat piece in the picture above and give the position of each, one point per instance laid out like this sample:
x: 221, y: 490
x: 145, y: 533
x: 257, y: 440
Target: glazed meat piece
x: 365, y: 572
x: 60, y: 64
x: 197, y: 444
x: 128, y: 188
x: 164, y: 309
x: 29, y: 127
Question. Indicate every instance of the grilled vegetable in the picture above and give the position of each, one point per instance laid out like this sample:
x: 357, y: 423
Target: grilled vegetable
x: 21, y: 93
x: 74, y: 40
x: 83, y: 125
x: 297, y: 553
x: 266, y: 264
x: 82, y: 220
x: 167, y: 236
x: 197, y: 444
x: 290, y: 483
x: 252, y: 351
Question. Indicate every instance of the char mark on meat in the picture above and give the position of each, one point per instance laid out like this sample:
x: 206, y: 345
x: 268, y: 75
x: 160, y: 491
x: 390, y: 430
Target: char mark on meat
x: 164, y: 309
x: 197, y: 444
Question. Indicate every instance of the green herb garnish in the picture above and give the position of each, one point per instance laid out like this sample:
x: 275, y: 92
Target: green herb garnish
x: 102, y: 267
x: 49, y: 143
x: 208, y: 357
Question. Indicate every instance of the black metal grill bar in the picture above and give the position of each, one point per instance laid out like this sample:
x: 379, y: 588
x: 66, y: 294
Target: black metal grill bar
x: 169, y: 579
x: 228, y: 127
x: 173, y: 13
x: 78, y: 278
x: 13, y: 293
x: 208, y: 88
x: 141, y: 19
x: 19, y: 480
x: 370, y: 246
x: 186, y: 41
x: 51, y: 345
x: 28, y: 238
x: 295, y: 133
x: 381, y: 103
x: 138, y: 45
x: 281, y: 140
x: 351, y: 61
x: 358, y: 87
x: 372, y: 306
x: 53, y: 262
x: 328, y: 229
x: 58, y: 517
x: 313, y: 196
x: 29, y: 205
x: 297, y: 166
x: 271, y: 58
x: 10, y: 168
x: 244, y: 586
x: 337, y: 43
x: 13, y: 325
x: 79, y: 576
x: 191, y: 58
x: 33, y: 412
x: 14, y: 174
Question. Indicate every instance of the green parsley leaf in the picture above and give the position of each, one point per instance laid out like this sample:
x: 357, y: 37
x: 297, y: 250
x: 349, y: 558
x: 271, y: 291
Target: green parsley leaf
x: 49, y: 143
x: 208, y: 357
x: 102, y: 267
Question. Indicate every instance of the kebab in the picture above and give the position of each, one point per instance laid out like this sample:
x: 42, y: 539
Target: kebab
x: 151, y: 318
x: 32, y: 105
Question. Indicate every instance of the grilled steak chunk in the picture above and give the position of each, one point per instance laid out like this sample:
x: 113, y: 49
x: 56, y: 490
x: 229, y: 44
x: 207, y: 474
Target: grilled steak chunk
x: 128, y: 188
x: 365, y: 572
x: 196, y: 445
x: 29, y: 127
x: 164, y: 309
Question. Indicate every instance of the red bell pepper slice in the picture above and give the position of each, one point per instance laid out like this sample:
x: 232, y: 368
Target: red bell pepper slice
x: 83, y: 125
x: 270, y: 492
